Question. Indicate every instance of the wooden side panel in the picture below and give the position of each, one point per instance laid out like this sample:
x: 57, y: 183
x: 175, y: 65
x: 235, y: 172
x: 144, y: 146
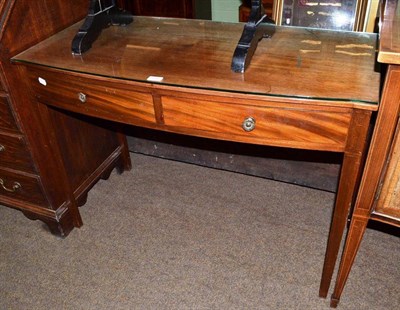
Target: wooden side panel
x: 32, y: 21
x: 85, y: 145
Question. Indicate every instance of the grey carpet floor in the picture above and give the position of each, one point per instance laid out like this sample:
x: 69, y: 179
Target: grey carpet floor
x: 169, y: 235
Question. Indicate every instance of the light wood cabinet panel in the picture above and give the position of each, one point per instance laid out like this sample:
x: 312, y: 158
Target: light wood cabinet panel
x: 388, y: 204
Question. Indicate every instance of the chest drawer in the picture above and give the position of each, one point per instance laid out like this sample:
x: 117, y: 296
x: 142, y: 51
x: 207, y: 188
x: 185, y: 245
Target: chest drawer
x: 2, y: 81
x: 99, y: 98
x: 21, y: 187
x: 14, y: 153
x: 7, y: 121
x: 296, y: 127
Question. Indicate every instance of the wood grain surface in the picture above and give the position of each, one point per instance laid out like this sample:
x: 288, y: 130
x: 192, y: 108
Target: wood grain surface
x: 295, y: 62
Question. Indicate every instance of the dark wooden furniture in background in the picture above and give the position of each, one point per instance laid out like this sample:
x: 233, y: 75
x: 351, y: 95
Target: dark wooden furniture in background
x: 244, y: 9
x: 379, y: 196
x: 48, y: 159
x: 269, y: 107
x: 164, y: 8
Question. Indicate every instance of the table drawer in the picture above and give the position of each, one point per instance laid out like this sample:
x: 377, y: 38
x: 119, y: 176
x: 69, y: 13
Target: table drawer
x: 297, y: 127
x: 95, y: 97
x: 21, y: 187
x: 7, y: 121
x: 14, y: 153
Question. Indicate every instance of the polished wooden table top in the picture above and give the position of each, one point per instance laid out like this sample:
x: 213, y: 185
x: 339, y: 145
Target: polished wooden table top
x: 295, y: 62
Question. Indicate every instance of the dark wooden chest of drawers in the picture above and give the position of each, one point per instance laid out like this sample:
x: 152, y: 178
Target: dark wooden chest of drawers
x: 31, y: 172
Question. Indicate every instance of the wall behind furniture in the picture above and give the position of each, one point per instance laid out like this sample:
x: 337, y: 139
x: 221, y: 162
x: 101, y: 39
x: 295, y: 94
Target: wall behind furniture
x: 225, y: 10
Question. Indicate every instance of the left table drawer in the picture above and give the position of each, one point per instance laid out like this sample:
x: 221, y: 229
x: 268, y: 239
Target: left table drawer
x: 119, y: 101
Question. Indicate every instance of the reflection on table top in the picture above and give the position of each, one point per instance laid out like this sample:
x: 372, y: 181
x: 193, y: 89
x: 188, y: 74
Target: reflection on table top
x: 295, y: 62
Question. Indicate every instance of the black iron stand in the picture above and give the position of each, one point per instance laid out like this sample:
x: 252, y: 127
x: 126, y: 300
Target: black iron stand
x: 253, y: 32
x: 102, y: 13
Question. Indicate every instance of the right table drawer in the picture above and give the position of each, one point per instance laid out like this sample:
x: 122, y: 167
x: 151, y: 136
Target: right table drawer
x: 298, y: 127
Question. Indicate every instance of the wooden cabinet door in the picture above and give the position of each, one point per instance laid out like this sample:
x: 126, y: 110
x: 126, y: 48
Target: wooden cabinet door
x: 164, y: 8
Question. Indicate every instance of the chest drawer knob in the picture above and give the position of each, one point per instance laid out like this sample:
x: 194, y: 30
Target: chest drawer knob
x: 82, y: 97
x: 2, y: 148
x: 249, y: 124
x: 16, y: 186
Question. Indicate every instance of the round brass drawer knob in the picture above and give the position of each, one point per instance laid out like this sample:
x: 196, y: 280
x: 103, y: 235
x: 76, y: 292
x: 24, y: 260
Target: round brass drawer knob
x: 2, y: 148
x: 249, y: 124
x: 82, y: 97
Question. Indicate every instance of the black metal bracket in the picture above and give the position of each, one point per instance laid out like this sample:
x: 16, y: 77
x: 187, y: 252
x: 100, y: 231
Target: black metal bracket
x: 102, y: 13
x: 253, y: 32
